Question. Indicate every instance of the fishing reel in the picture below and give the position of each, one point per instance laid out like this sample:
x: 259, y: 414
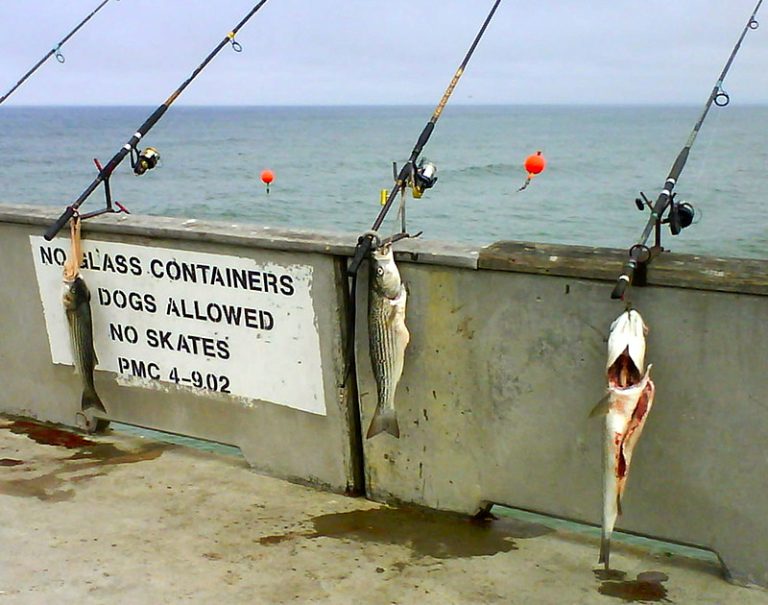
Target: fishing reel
x: 141, y: 161
x: 423, y: 177
x: 679, y: 216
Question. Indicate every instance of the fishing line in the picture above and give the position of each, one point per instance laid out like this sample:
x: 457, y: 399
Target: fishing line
x: 142, y: 161
x: 707, y: 162
x: 418, y: 177
x: 55, y: 51
x: 678, y: 215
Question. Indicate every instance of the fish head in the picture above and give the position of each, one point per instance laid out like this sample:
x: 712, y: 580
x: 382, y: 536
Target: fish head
x: 385, y: 277
x: 74, y: 293
x: 626, y: 349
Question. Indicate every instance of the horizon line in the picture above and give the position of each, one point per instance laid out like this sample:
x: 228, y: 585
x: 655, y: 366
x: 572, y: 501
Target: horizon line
x: 381, y: 105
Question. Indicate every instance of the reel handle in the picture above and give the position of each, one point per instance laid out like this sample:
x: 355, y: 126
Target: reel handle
x: 51, y: 232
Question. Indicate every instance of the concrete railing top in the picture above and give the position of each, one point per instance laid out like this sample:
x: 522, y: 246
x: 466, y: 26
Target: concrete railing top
x: 243, y: 234
x: 739, y: 275
x: 747, y: 276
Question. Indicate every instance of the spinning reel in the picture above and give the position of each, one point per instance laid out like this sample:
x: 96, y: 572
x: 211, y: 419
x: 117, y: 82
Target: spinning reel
x: 423, y: 177
x: 144, y: 160
x: 679, y: 215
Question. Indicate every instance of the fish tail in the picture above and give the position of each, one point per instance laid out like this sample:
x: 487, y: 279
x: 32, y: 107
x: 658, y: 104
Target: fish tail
x: 605, y: 550
x: 91, y: 400
x: 384, y: 421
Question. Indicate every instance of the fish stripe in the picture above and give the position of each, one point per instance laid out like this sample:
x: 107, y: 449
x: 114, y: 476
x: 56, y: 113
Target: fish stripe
x: 384, y: 350
x: 81, y: 337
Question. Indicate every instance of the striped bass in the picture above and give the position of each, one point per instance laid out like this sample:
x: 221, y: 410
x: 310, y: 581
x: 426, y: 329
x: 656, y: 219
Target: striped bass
x: 76, y: 299
x: 626, y: 406
x: 388, y: 337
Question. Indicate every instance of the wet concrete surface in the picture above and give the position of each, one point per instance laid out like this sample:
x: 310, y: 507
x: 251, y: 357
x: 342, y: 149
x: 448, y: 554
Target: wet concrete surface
x: 121, y: 519
x: 424, y: 532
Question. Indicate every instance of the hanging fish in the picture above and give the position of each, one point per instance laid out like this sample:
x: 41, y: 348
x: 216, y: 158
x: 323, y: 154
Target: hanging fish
x: 534, y: 164
x: 388, y: 337
x: 626, y: 406
x: 76, y: 299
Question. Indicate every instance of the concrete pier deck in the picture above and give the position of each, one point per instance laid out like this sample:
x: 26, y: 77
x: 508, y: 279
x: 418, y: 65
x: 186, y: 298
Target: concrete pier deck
x: 121, y: 518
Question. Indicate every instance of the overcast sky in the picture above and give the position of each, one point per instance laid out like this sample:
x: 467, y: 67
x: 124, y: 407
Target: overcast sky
x: 386, y: 52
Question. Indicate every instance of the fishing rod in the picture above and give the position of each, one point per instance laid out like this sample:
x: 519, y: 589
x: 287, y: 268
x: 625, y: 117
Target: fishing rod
x: 56, y: 51
x: 142, y: 161
x: 423, y: 176
x: 680, y: 214
x: 419, y: 178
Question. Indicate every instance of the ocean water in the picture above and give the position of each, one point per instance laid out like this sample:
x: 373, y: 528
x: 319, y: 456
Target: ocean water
x: 331, y: 163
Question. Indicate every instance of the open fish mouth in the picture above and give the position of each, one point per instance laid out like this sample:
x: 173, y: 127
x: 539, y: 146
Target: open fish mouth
x: 623, y: 373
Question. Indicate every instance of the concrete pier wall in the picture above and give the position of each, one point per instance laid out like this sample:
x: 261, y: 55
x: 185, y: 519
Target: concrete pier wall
x: 505, y: 362
x: 283, y: 441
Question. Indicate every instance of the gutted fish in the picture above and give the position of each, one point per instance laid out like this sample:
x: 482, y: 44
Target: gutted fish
x: 76, y: 299
x: 388, y: 337
x: 626, y: 406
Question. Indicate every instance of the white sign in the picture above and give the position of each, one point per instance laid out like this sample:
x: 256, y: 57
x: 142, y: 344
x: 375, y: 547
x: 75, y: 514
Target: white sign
x: 209, y: 322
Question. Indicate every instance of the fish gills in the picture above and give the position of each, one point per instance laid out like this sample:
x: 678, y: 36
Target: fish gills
x: 388, y: 338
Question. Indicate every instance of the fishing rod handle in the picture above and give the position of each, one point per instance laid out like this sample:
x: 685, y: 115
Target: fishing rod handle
x: 364, y: 245
x: 51, y: 232
x: 621, y: 287
x: 422, y: 141
x: 624, y: 280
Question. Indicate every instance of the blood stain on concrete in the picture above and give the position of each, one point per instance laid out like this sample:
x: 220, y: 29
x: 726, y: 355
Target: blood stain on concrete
x: 277, y: 539
x: 436, y: 534
x: 426, y: 532
x: 47, y: 434
x: 97, y: 456
x: 10, y: 462
x: 647, y: 588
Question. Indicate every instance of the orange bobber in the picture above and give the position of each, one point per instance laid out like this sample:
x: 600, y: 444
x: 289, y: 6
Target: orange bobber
x: 267, y: 176
x: 535, y: 163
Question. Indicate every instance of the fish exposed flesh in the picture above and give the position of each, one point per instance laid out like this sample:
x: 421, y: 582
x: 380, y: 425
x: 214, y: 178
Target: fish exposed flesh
x: 76, y: 298
x: 388, y: 337
x: 626, y: 406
